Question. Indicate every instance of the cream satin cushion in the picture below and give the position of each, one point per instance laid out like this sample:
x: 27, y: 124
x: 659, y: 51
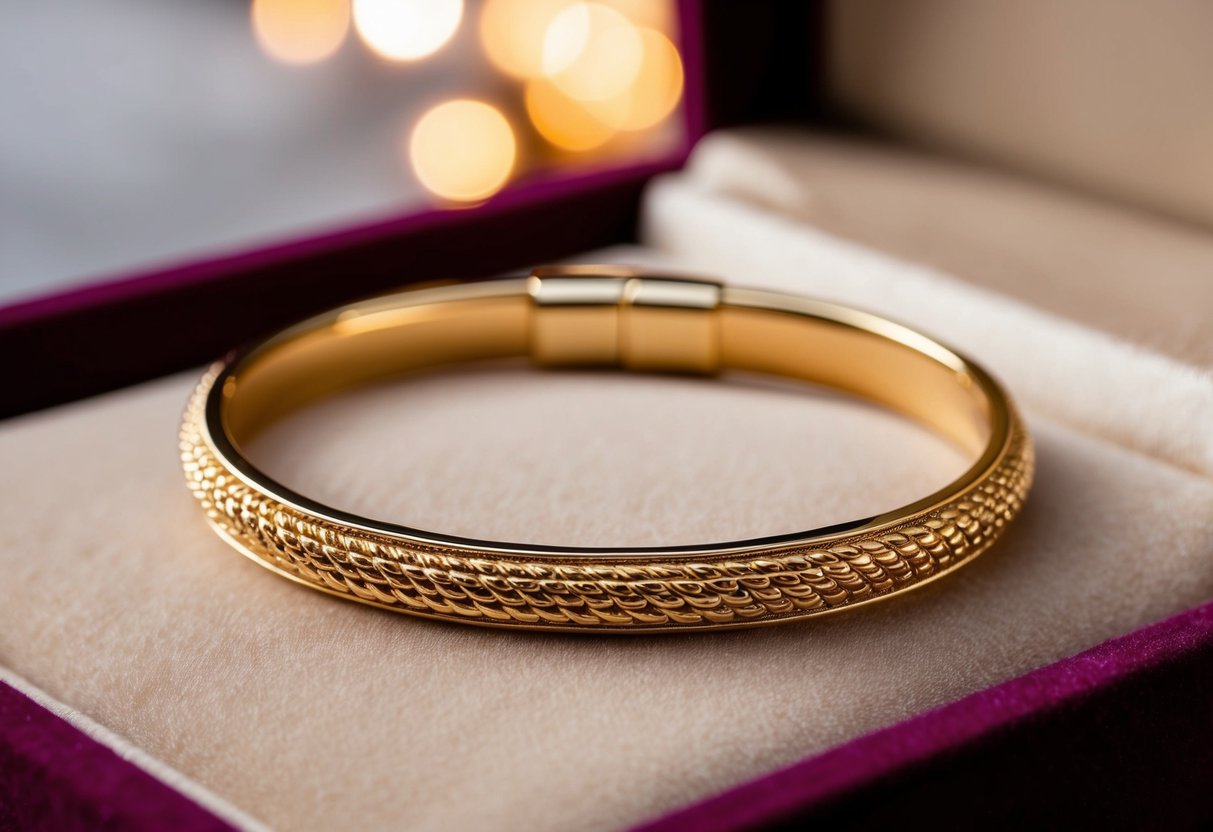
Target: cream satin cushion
x: 308, y: 712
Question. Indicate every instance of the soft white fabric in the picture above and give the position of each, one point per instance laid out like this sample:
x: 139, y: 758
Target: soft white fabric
x: 1088, y: 378
x: 1143, y: 277
x: 309, y: 712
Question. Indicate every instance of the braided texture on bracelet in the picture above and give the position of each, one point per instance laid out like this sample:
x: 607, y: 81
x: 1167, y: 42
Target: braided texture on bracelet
x: 600, y: 592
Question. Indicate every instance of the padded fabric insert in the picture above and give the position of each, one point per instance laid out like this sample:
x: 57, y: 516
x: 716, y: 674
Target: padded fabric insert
x: 309, y: 712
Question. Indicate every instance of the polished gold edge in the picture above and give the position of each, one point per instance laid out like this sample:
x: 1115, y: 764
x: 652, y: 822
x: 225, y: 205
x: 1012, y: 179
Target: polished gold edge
x: 508, y: 586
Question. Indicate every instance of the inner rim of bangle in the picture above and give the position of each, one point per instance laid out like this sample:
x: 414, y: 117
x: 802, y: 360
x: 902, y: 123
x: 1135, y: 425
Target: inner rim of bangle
x: 759, y: 332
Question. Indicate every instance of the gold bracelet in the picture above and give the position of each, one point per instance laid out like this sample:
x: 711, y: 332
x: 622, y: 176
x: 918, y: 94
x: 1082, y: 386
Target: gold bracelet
x: 606, y: 316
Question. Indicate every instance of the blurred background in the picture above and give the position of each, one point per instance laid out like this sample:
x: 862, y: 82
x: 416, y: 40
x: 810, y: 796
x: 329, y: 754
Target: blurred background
x: 140, y: 133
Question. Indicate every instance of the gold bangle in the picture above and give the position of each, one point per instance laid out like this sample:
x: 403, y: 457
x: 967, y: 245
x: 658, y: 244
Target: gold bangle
x: 605, y: 315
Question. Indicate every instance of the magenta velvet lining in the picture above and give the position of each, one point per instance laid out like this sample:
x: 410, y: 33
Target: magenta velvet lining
x: 174, y: 278
x: 53, y: 776
x: 112, y: 334
x: 1120, y: 735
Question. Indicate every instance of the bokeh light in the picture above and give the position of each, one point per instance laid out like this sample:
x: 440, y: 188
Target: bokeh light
x: 655, y: 92
x: 592, y: 52
x: 595, y: 75
x: 300, y: 31
x: 563, y: 121
x: 653, y: 14
x: 463, y: 150
x: 566, y: 37
x: 406, y: 30
x: 512, y: 33
x: 579, y: 126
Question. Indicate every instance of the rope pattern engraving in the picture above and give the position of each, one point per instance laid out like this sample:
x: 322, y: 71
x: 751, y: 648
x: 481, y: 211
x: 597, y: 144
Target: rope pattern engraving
x: 602, y: 592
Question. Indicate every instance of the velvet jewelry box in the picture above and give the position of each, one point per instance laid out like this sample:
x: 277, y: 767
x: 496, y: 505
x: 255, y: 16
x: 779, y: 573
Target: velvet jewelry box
x: 1117, y: 733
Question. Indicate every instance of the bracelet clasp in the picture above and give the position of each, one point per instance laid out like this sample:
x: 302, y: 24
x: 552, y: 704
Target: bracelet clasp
x: 618, y: 316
